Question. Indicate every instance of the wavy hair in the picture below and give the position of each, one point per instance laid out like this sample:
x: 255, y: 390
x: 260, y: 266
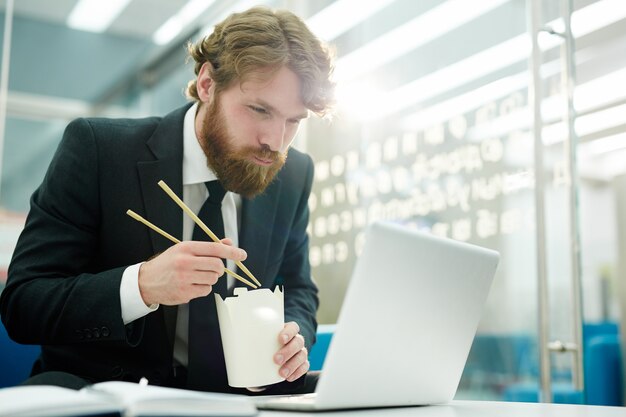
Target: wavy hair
x: 266, y: 39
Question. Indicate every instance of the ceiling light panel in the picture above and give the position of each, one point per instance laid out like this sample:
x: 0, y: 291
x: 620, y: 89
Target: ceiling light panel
x: 95, y: 15
x: 342, y: 15
x: 175, y: 24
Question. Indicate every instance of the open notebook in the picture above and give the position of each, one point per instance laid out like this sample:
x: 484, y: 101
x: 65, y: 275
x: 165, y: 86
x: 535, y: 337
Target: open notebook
x: 406, y: 325
x: 119, y: 399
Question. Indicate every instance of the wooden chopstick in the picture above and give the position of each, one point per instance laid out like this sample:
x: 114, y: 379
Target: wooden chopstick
x: 151, y: 226
x: 173, y: 239
x: 203, y: 226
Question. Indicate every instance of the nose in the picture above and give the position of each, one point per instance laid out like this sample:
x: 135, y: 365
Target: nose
x: 273, y: 135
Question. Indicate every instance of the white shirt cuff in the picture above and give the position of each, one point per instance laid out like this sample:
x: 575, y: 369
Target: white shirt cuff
x: 133, y: 306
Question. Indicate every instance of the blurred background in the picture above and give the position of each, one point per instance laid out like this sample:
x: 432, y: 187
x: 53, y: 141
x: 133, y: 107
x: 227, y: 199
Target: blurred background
x: 476, y: 120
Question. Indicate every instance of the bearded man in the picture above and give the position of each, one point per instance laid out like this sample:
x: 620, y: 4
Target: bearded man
x: 107, y: 298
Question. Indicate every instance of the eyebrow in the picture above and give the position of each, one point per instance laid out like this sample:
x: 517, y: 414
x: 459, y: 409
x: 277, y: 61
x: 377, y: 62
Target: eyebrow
x: 273, y: 110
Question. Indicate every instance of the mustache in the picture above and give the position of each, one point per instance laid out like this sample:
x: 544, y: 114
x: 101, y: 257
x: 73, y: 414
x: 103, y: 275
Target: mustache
x: 265, y: 153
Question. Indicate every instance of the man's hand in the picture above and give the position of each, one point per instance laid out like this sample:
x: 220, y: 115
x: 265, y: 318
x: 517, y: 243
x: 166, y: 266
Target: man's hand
x: 185, y: 271
x: 293, y: 356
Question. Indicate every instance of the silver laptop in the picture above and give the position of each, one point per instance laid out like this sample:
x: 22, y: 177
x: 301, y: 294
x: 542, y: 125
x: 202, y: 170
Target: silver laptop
x: 406, y: 324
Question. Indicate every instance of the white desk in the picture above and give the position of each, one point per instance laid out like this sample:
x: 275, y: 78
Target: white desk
x: 473, y: 409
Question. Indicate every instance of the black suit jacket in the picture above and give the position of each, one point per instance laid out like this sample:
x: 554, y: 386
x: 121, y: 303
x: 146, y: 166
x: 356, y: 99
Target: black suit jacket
x: 63, y: 282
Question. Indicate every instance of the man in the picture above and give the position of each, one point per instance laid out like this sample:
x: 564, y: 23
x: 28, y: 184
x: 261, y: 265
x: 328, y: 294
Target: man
x: 107, y: 298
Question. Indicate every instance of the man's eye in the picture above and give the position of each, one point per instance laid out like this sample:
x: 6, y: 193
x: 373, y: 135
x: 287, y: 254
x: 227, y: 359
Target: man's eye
x: 259, y: 110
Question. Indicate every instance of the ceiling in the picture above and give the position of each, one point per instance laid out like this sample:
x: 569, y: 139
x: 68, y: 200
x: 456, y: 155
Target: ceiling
x: 51, y: 61
x: 140, y: 19
x: 58, y: 73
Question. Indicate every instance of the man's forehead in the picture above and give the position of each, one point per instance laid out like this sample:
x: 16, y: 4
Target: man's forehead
x: 279, y: 90
x: 295, y: 113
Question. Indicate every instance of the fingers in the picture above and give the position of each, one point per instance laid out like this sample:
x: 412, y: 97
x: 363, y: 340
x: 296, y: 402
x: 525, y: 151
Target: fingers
x: 290, y: 331
x: 218, y: 250
x: 185, y: 271
x: 210, y: 269
x: 290, y: 349
x: 301, y: 370
x: 296, y: 366
x: 206, y: 257
x: 293, y: 355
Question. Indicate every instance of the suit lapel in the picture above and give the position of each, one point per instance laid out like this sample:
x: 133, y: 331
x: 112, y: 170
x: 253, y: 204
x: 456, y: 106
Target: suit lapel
x: 163, y: 161
x: 159, y: 208
x: 258, y: 216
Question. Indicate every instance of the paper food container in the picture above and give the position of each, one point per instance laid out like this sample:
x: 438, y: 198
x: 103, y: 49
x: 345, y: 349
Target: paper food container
x: 250, y: 323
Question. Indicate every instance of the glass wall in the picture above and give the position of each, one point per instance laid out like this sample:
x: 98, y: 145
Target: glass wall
x: 434, y: 130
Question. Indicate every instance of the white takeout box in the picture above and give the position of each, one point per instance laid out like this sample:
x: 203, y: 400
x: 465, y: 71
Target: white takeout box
x: 250, y: 323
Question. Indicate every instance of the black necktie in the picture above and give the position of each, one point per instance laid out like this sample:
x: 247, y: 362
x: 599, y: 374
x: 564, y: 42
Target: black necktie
x: 206, y: 368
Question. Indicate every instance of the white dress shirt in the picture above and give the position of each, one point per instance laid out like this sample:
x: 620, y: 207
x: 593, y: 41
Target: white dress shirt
x: 195, y: 174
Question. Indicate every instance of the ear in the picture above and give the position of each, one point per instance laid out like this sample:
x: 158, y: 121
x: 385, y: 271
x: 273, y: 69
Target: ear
x: 205, y: 84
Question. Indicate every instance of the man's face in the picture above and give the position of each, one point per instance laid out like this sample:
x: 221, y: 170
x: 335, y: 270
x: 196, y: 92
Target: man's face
x: 247, y: 130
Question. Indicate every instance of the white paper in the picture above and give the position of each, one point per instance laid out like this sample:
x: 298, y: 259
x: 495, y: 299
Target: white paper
x: 150, y: 400
x: 126, y: 398
x: 48, y: 400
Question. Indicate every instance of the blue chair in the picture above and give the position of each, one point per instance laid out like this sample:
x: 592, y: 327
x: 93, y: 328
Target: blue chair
x: 562, y: 393
x: 603, y: 372
x: 16, y: 360
x: 319, y: 349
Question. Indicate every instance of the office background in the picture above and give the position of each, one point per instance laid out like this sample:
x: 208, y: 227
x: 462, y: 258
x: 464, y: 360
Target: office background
x: 434, y: 129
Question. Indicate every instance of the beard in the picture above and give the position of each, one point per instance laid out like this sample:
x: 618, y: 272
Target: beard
x: 234, y: 167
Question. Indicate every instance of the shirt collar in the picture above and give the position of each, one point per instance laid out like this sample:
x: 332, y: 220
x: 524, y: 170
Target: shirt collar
x: 195, y: 169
